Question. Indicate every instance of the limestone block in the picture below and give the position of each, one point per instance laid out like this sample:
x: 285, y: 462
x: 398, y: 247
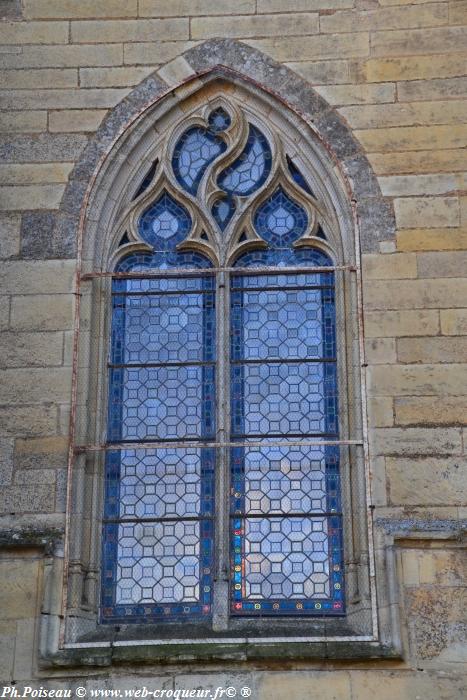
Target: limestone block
x: 413, y: 294
x: 380, y: 351
x: 23, y: 121
x: 41, y: 277
x: 397, y: 266
x: 418, y: 380
x: 405, y: 114
x: 113, y: 77
x: 332, y: 46
x: 358, y: 94
x: 247, y: 26
x: 426, y: 410
x: 31, y: 349
x: 413, y: 138
x: 23, y: 197
x: 47, y: 312
x: 41, y: 453
x: 34, y: 33
x: 70, y: 56
x: 7, y: 650
x: 62, y: 99
x: 409, y: 185
x: 442, y: 264
x: 31, y: 79
x: 154, y: 52
x: 6, y: 461
x: 436, y: 621
x: 302, y: 5
x: 457, y: 12
x: 454, y: 321
x: 32, y: 421
x: 432, y: 239
x: 415, y: 67
x: 380, y: 411
x: 432, y: 350
x: 70, y: 9
x: 92, y: 32
x: 4, y: 312
x: 322, y: 72
x: 192, y: 8
x: 34, y: 173
x: 419, y: 481
x: 431, y: 15
x: 419, y: 41
x: 401, y: 685
x: 45, y: 147
x: 381, y: 324
x: 415, y: 441
x: 418, y: 161
x: 296, y: 685
x: 19, y: 577
x: 439, y: 88
x: 70, y: 120
x: 25, y: 386
x: 9, y: 234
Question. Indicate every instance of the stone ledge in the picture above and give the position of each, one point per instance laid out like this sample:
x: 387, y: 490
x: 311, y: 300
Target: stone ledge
x: 46, y: 539
x: 108, y: 654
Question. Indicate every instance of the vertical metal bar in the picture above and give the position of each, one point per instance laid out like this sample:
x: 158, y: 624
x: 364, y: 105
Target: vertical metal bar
x: 221, y: 552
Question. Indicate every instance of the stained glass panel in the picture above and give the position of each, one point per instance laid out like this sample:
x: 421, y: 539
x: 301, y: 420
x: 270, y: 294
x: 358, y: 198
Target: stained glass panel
x: 252, y: 167
x: 193, y: 152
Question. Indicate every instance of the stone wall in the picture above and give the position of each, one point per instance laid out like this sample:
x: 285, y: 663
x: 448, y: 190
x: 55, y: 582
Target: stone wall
x: 395, y: 72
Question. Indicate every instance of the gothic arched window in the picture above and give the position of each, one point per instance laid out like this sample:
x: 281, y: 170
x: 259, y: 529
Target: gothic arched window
x: 226, y: 378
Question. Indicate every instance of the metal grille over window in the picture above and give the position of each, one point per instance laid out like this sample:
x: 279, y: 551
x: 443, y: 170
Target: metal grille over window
x: 226, y: 425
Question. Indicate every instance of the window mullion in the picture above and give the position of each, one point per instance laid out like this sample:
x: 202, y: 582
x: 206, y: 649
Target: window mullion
x: 221, y: 553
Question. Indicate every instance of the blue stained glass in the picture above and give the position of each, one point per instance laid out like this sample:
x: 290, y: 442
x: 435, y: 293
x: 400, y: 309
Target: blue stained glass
x: 279, y: 220
x: 219, y: 120
x: 146, y: 180
x: 193, y: 152
x: 165, y: 223
x: 222, y: 211
x: 286, y: 548
x: 298, y: 177
x: 252, y: 167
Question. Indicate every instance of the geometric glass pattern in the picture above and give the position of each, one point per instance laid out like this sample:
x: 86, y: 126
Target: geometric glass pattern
x: 158, y: 520
x: 280, y: 220
x: 251, y: 169
x: 285, y: 519
x: 193, y: 152
x: 286, y: 546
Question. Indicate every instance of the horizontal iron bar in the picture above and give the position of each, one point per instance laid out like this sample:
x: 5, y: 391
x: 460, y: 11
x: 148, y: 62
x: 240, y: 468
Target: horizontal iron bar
x: 136, y: 365
x: 285, y: 361
x: 196, y: 272
x: 271, y: 288
x: 314, y: 514
x: 183, y: 518
x: 284, y: 437
x: 158, y: 293
x: 211, y: 445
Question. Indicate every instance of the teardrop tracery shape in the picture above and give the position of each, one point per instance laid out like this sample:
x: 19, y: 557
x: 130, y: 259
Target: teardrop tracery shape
x: 279, y: 220
x: 194, y: 151
x: 251, y: 169
x: 222, y: 211
x: 165, y: 223
x: 298, y: 176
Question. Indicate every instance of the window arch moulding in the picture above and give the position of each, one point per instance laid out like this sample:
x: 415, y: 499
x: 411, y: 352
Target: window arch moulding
x: 141, y: 170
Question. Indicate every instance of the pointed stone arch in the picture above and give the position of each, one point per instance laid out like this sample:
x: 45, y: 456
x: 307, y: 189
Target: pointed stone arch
x: 170, y: 85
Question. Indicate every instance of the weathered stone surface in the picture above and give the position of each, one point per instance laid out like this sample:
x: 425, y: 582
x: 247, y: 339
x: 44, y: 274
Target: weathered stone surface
x: 42, y: 312
x: 6, y: 461
x: 113, y: 77
x: 37, y: 277
x: 388, y: 685
x: 33, y: 421
x: 93, y: 31
x: 23, y: 197
x: 432, y: 350
x: 23, y: 121
x: 380, y: 351
x: 9, y: 235
x: 420, y: 481
x: 397, y: 266
x: 426, y: 410
x: 380, y: 324
x: 415, y: 67
x: 249, y: 26
x: 183, y: 8
x: 27, y: 498
x: 26, y: 386
x: 429, y: 212
x: 31, y: 349
x: 416, y: 441
x: 454, y: 321
x: 37, y: 234
x: 362, y: 178
x: 337, y: 135
x: 299, y: 685
x: 380, y: 411
x: 437, y: 619
x: 41, y: 453
x: 377, y: 222
x: 68, y: 9
x: 432, y: 239
x: 44, y: 147
x: 432, y: 89
x: 442, y: 264
x: 417, y: 162
x: 418, y: 380
x: 75, y: 120
x: 64, y: 56
x: 34, y: 173
x: 415, y: 294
